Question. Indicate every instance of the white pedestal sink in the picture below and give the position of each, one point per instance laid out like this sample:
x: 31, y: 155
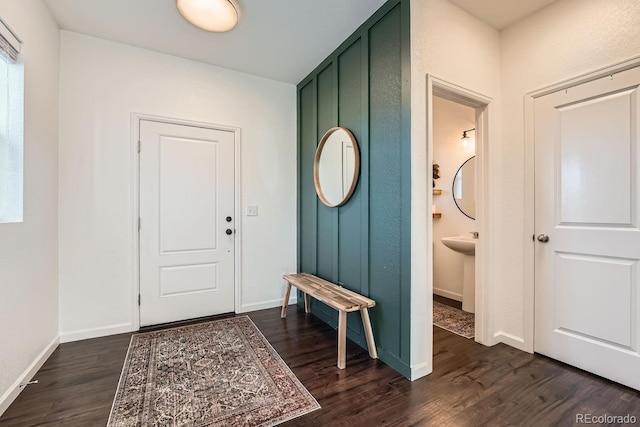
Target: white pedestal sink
x: 467, y: 247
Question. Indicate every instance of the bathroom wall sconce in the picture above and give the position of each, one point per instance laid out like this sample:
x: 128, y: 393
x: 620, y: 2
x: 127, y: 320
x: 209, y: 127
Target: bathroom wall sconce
x: 466, y: 139
x: 216, y: 16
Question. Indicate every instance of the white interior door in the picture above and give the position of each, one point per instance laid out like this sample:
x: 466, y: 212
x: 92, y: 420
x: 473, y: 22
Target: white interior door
x: 587, y: 204
x: 187, y: 222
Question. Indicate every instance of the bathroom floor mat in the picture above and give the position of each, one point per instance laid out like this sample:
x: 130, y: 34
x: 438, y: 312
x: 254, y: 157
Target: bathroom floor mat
x: 453, y: 320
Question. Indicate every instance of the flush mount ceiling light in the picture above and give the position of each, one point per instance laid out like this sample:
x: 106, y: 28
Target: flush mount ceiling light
x: 216, y: 16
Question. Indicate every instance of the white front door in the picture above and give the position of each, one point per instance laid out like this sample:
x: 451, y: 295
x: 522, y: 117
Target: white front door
x: 186, y: 222
x: 587, y: 196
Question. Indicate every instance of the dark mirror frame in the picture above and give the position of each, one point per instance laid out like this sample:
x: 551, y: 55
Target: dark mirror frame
x: 453, y: 188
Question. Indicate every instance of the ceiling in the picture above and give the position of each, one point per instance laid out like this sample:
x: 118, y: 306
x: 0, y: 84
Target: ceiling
x: 282, y: 40
x: 501, y: 13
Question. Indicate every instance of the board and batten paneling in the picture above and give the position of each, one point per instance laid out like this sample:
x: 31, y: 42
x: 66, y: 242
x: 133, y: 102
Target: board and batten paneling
x: 363, y: 245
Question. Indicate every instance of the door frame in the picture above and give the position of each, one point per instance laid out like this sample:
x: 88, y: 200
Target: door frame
x: 529, y: 183
x: 483, y: 106
x: 136, y: 118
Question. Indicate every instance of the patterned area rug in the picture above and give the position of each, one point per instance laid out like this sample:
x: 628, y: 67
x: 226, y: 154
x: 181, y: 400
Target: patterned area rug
x: 220, y: 373
x: 453, y: 320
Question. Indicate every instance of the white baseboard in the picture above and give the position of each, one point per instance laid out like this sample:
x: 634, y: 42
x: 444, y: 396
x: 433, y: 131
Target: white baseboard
x: 421, y: 370
x: 245, y: 308
x: 511, y: 340
x: 104, y: 331
x: 15, y: 389
x: 447, y: 294
x: 122, y: 328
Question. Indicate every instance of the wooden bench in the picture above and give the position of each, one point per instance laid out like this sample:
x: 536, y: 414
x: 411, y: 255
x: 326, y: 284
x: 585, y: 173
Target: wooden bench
x: 343, y: 300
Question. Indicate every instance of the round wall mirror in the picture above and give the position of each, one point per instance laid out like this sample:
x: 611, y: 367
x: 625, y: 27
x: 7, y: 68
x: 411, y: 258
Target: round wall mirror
x: 336, y: 167
x: 464, y: 188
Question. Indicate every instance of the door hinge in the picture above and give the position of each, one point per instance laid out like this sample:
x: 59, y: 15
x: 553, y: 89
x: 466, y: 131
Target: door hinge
x: 138, y: 300
x: 139, y: 146
x: 139, y: 223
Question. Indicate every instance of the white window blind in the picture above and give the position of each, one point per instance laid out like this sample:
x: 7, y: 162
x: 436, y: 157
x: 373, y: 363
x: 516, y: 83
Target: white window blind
x: 11, y: 127
x: 9, y: 43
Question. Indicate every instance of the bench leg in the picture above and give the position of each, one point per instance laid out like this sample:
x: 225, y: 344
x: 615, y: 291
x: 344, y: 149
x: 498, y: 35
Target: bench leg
x: 307, y: 303
x: 342, y: 339
x: 368, y: 332
x: 285, y: 303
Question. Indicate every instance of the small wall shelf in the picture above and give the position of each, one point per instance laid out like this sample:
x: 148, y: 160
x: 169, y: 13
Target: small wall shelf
x: 437, y: 191
x: 437, y: 215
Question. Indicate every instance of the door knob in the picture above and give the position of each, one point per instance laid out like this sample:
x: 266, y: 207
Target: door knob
x: 228, y: 219
x: 229, y: 232
x: 543, y: 238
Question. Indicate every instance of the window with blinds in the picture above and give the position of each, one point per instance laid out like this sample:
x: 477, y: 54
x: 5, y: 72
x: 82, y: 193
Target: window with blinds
x: 11, y: 125
x: 9, y: 43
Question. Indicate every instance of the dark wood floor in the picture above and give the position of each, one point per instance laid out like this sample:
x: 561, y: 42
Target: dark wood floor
x: 471, y: 385
x: 448, y: 301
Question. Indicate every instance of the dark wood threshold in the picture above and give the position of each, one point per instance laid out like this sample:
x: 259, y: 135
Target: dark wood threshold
x: 184, y: 322
x: 448, y: 301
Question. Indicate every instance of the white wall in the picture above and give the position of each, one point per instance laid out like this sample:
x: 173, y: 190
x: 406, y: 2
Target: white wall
x: 449, y: 120
x: 564, y: 40
x: 28, y: 250
x: 101, y: 84
x: 450, y: 44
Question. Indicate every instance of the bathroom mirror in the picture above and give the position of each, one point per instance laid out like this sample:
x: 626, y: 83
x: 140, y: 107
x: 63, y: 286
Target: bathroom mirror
x: 336, y: 167
x: 464, y: 188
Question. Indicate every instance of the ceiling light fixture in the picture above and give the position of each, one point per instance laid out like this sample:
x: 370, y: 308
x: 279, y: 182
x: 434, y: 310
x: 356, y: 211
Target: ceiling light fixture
x: 216, y: 16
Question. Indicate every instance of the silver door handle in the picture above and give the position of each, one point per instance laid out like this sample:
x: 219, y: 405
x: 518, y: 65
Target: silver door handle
x: 543, y: 238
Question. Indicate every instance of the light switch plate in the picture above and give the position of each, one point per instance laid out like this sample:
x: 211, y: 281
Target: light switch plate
x: 252, y: 210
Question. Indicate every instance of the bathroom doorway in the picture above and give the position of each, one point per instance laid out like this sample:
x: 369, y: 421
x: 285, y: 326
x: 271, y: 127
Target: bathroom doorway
x: 457, y: 139
x: 454, y: 216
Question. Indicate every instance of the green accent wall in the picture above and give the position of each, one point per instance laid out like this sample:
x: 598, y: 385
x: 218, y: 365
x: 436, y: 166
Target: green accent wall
x: 365, y: 244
